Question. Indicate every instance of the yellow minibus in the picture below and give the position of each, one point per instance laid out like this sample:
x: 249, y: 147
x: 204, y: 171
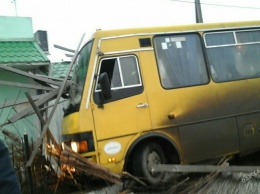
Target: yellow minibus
x: 165, y: 95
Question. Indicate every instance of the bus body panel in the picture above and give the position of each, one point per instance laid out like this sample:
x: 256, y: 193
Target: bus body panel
x: 199, y: 143
x: 122, y: 117
x: 112, y: 152
x: 249, y: 134
x: 206, y: 120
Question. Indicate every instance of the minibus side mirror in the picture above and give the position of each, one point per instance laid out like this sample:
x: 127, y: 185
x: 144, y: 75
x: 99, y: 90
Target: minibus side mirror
x: 105, y: 86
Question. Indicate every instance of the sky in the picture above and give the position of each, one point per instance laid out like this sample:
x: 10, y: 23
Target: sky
x: 67, y: 20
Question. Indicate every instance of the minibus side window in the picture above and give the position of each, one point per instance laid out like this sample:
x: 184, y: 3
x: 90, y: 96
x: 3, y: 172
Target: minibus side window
x: 180, y: 60
x: 233, y: 55
x: 124, y: 76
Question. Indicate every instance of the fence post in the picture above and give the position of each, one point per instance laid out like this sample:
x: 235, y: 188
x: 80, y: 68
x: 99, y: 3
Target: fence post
x: 29, y: 170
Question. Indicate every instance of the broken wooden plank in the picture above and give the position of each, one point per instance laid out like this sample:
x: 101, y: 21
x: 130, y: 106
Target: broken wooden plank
x: 29, y: 86
x: 12, y: 136
x: 73, y: 160
x: 21, y: 101
x: 134, y: 178
x: 39, y: 102
x: 64, y: 48
x: 61, y: 90
x: 30, y: 75
x: 90, y: 170
x: 38, y: 113
x: 70, y: 153
x: 26, y: 111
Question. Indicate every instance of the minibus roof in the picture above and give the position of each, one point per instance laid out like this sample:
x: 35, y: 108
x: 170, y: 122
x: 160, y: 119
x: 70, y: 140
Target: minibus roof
x: 176, y: 28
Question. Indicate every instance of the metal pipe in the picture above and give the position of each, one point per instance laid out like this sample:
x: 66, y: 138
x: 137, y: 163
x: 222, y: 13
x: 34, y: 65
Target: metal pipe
x: 202, y: 168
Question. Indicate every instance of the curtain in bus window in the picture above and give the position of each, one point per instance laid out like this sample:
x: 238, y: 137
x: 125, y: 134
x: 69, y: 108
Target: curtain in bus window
x: 224, y: 38
x: 221, y: 56
x: 180, y: 61
x: 176, y: 56
x: 222, y: 63
x: 248, y: 36
x: 231, y: 61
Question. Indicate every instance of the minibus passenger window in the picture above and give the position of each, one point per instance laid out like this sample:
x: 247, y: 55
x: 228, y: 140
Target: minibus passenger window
x: 233, y: 57
x: 180, y: 60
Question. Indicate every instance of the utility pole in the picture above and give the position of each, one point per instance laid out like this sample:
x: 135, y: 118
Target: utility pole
x: 198, y: 12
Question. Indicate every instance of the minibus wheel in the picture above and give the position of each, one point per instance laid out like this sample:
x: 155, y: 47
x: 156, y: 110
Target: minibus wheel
x: 145, y: 157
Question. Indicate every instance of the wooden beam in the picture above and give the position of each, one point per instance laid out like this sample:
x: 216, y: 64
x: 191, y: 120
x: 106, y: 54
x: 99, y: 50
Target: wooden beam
x: 30, y: 86
x: 30, y: 75
x: 61, y: 89
x: 39, y: 102
x: 38, y: 113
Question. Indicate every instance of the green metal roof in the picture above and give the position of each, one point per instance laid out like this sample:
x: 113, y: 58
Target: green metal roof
x: 21, y: 52
x: 59, y: 69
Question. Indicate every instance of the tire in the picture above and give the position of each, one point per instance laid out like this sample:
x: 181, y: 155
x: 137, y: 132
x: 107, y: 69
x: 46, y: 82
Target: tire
x: 145, y: 156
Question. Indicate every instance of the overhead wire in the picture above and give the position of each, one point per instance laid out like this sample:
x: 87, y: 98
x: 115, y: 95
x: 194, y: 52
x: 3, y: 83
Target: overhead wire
x: 220, y: 5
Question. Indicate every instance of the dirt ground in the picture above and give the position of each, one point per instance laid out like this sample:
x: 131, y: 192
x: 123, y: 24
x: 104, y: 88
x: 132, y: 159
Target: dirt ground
x: 224, y: 183
x: 221, y: 183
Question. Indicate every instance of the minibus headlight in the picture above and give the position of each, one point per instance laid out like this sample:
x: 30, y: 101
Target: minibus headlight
x: 74, y: 146
x: 79, y: 147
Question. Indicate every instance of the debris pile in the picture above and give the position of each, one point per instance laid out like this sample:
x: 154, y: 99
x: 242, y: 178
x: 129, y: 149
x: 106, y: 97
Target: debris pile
x: 66, y: 164
x: 72, y: 163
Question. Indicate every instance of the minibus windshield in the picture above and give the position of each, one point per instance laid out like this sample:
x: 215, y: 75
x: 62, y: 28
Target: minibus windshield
x: 79, y: 75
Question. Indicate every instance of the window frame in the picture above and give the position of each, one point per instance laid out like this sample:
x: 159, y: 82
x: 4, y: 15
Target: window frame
x: 121, y: 92
x: 202, y: 52
x: 120, y: 72
x: 234, y: 35
x: 237, y: 44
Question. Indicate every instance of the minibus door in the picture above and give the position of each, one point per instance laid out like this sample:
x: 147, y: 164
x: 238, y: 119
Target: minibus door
x: 121, y: 108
